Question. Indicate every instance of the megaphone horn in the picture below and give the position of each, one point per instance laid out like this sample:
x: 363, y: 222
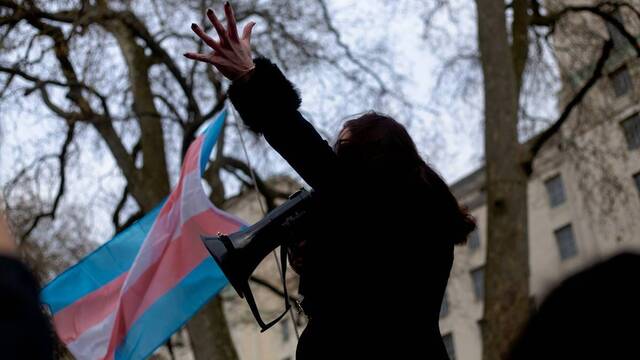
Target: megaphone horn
x: 240, y: 253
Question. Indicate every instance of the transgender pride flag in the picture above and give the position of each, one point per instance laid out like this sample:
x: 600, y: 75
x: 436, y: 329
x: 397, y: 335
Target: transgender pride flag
x: 126, y: 298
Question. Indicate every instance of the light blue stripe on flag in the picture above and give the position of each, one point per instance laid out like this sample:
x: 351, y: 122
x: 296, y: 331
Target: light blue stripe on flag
x: 163, y: 318
x: 210, y: 139
x: 106, y: 263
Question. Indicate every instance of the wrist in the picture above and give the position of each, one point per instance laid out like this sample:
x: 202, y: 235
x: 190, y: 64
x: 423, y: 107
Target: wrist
x: 245, y: 75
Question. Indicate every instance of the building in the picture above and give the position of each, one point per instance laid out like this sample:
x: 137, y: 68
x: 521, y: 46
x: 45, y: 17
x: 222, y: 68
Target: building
x: 583, y: 195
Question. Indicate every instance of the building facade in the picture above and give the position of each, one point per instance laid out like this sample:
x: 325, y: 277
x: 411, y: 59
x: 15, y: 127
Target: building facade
x: 583, y: 194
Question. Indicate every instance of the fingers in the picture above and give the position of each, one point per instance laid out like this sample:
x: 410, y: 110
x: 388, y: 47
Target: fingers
x: 222, y: 33
x: 246, y: 32
x: 232, y: 27
x: 206, y: 38
x: 216, y: 60
x: 198, y: 57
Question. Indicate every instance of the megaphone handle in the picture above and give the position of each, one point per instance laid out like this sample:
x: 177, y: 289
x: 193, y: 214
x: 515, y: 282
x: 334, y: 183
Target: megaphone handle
x: 252, y: 303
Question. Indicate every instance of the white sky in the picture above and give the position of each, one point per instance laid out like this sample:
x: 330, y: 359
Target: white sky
x: 459, y: 152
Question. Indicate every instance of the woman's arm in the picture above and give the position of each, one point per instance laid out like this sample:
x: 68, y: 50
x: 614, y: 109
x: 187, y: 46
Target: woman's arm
x: 267, y: 101
x: 268, y: 104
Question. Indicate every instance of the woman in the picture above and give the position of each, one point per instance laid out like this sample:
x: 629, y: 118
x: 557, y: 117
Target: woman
x: 380, y: 246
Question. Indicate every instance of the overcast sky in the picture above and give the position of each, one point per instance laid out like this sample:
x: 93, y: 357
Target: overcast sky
x: 458, y: 125
x: 456, y: 121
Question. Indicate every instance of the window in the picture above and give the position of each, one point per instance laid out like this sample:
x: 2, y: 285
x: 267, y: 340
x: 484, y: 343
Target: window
x: 444, y: 307
x: 477, y: 276
x: 555, y: 190
x: 636, y: 177
x: 448, y: 344
x: 621, y: 81
x: 631, y: 128
x: 618, y: 39
x: 566, y: 242
x: 474, y: 240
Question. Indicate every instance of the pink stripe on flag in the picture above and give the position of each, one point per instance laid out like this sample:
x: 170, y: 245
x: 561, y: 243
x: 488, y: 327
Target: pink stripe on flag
x: 75, y: 319
x: 190, y: 164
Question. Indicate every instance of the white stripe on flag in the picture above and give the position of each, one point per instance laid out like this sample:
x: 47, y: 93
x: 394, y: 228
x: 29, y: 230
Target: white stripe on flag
x: 193, y: 200
x: 93, y: 343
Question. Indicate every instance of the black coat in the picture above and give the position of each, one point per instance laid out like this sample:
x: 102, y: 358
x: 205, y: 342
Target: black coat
x: 24, y: 329
x: 373, y: 277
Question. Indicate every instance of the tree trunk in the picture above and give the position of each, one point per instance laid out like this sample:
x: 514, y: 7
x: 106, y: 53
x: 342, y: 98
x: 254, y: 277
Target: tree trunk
x: 506, y: 303
x: 209, y: 333
x: 154, y: 165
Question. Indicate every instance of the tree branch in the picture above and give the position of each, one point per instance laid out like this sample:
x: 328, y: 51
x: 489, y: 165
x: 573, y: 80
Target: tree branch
x: 603, y: 10
x: 116, y: 213
x: 347, y: 51
x: 101, y: 122
x: 230, y: 164
x: 171, y: 109
x: 62, y: 160
x: 123, y: 199
x: 154, y: 166
x: 135, y: 217
x: 141, y: 31
x: 537, y: 142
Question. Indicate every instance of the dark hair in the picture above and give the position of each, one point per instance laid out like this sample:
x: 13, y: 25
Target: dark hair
x: 379, y: 145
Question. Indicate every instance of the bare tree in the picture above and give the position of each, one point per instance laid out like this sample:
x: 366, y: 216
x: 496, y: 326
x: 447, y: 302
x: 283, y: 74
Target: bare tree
x: 525, y: 48
x: 112, y: 73
x: 55, y: 245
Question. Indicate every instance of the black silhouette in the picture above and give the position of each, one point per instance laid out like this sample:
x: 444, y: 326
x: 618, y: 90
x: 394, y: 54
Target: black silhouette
x: 380, y: 243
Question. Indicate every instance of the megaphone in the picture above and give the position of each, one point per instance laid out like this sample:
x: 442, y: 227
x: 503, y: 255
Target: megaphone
x: 240, y: 253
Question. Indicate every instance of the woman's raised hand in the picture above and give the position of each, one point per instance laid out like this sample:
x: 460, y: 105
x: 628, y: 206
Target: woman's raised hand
x: 231, y: 55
